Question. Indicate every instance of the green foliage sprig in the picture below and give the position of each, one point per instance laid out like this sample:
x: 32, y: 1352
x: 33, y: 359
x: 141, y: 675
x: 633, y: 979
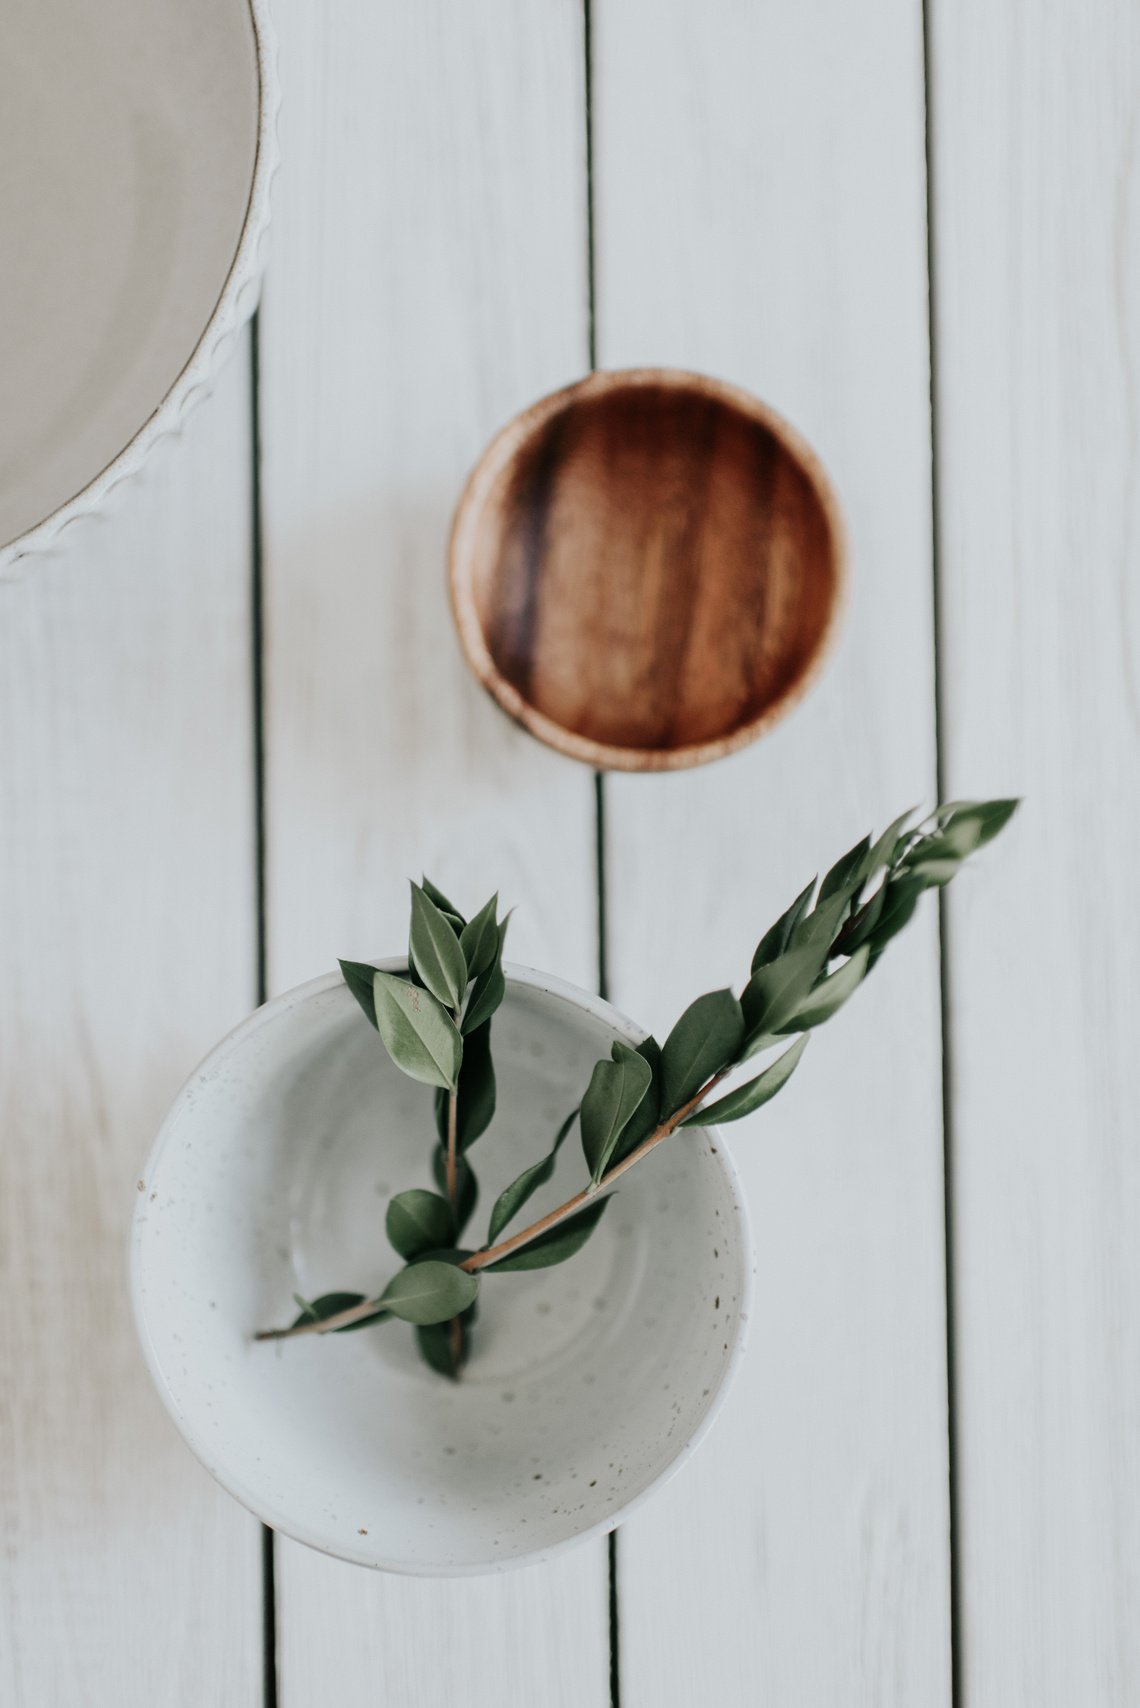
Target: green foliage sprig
x: 435, y: 1022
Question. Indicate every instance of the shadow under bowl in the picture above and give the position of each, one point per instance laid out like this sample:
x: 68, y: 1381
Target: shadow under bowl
x: 588, y: 1383
x: 646, y: 569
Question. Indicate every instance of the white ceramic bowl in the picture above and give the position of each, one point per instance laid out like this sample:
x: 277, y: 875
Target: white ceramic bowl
x: 588, y: 1383
x: 136, y: 149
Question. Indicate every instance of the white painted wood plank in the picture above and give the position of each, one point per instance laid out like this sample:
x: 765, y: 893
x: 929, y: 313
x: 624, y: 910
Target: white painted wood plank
x: 1037, y: 204
x: 428, y: 278
x: 127, y: 946
x: 760, y: 215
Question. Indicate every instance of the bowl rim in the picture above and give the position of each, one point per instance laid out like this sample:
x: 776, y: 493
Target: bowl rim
x: 231, y: 309
x: 610, y: 756
x: 527, y: 979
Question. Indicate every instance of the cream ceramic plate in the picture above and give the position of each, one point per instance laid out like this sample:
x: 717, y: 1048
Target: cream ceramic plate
x: 588, y: 1384
x: 136, y: 141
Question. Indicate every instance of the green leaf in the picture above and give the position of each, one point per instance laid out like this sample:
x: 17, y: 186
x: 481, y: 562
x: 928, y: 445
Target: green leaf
x: 476, y: 1086
x: 774, y: 992
x: 555, y: 1246
x: 419, y: 1221
x: 476, y: 1092
x: 752, y: 1095
x: 418, y: 1033
x: 705, y: 1039
x: 991, y: 817
x: 480, y: 939
x: 446, y: 1254
x: 995, y: 815
x: 431, y: 1291
x: 847, y: 873
x: 862, y: 923
x: 487, y: 993
x: 441, y: 901
x: 840, y: 889
x: 898, y: 907
x: 819, y: 928
x: 965, y: 826
x: 615, y: 1091
x: 435, y: 951
x: 467, y: 1187
x: 775, y: 940
x: 883, y: 850
x: 934, y: 872
x: 647, y: 1115
x: 489, y: 988
x: 329, y: 1305
x: 358, y: 978
x: 759, y: 1041
x: 512, y: 1198
x: 830, y: 995
x: 955, y: 841
x: 433, y: 1341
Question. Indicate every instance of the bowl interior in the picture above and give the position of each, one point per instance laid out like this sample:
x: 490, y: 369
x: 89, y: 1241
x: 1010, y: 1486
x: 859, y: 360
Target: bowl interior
x: 587, y: 1381
x: 128, y: 134
x: 652, y: 565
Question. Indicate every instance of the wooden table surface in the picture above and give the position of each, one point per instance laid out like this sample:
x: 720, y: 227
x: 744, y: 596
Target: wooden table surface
x: 233, y: 719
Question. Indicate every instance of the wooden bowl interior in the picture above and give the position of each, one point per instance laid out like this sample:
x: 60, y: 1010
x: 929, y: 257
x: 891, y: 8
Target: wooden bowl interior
x: 653, y: 568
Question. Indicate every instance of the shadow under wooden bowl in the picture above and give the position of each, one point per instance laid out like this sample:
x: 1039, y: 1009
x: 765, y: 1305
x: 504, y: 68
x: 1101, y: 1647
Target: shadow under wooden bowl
x: 646, y: 569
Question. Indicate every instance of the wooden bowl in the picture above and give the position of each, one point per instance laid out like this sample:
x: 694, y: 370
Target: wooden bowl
x: 646, y: 569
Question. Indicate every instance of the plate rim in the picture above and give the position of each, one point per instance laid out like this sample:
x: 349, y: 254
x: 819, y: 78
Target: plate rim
x: 233, y: 307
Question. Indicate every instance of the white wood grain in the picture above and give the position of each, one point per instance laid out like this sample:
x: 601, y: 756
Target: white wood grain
x: 760, y: 215
x: 127, y: 947
x: 1037, y: 203
x: 428, y: 278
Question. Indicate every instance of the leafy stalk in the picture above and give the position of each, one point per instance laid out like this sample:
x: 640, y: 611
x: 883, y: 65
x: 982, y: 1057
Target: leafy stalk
x: 435, y: 1022
x: 455, y: 1326
x: 805, y: 968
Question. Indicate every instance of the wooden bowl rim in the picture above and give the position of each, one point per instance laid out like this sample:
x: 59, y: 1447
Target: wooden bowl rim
x: 504, y: 447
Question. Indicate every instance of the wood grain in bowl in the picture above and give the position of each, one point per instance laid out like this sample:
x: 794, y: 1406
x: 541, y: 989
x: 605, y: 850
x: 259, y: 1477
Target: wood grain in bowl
x: 645, y: 569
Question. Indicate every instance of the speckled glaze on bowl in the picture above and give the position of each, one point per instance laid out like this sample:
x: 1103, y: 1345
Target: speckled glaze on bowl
x: 589, y: 1383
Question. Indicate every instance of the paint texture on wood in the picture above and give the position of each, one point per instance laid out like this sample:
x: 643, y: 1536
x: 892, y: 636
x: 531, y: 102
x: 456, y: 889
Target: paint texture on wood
x: 427, y: 281
x: 127, y: 947
x: 760, y: 216
x: 1036, y: 196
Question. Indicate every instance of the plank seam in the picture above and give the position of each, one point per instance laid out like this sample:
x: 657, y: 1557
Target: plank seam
x: 599, y: 780
x: 591, y: 271
x: 257, y: 627
x: 956, y: 1681
x: 257, y: 683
